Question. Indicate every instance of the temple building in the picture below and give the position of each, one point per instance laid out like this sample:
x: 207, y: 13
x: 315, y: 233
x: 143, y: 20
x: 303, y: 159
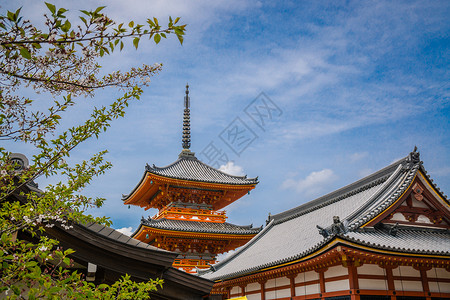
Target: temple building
x: 385, y: 236
x: 190, y: 196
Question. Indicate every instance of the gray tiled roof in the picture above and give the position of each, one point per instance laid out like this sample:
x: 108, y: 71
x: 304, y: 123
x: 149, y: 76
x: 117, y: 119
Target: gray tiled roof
x: 116, y: 235
x: 202, y: 227
x: 406, y: 240
x: 188, y: 167
x: 293, y: 234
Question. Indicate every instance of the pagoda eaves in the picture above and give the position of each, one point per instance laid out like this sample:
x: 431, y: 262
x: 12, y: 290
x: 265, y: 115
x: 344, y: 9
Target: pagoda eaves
x: 188, y: 180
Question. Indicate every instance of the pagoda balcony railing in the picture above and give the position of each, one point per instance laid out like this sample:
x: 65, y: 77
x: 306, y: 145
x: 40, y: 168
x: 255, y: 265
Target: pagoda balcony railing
x: 188, y: 264
x: 190, y: 214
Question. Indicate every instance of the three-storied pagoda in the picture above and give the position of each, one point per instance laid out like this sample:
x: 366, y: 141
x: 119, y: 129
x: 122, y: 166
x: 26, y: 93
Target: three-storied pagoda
x: 190, y: 196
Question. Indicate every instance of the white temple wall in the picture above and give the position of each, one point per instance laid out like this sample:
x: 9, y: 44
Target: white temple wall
x: 255, y: 286
x: 372, y: 284
x: 336, y: 271
x: 337, y: 285
x: 278, y: 294
x: 406, y: 271
x: 254, y: 296
x: 312, y: 289
x: 307, y: 276
x: 283, y: 281
x: 235, y: 290
x: 368, y: 269
x: 271, y: 283
x: 408, y: 286
x: 438, y: 287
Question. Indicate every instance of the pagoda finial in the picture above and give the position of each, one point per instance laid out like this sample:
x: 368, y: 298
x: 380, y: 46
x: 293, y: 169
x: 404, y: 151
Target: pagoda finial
x: 186, y: 121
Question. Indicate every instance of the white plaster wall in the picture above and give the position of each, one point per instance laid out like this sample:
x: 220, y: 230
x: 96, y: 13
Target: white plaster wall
x: 338, y: 285
x: 406, y: 271
x: 300, y: 291
x: 283, y: 281
x: 398, y: 285
x: 417, y: 203
x: 307, y: 276
x: 312, y: 289
x: 423, y: 219
x: 336, y: 271
x: 443, y: 287
x: 300, y: 278
x: 254, y: 297
x: 398, y: 217
x: 412, y: 286
x: 270, y: 283
x: 255, y: 286
x: 437, y: 287
x: 235, y: 290
x: 370, y: 270
x: 283, y: 293
x: 270, y: 295
x: 311, y: 275
x: 440, y: 272
x: 372, y: 284
x: 408, y: 286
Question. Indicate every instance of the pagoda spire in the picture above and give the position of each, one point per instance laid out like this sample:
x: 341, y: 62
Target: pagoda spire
x: 186, y: 121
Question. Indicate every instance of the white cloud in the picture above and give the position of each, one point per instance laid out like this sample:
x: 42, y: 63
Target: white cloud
x: 357, y: 156
x: 312, y: 184
x: 226, y: 255
x: 126, y: 230
x: 232, y: 169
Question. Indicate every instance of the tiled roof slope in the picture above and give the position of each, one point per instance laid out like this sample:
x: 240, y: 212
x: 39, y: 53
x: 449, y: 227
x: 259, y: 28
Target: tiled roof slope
x: 188, y: 167
x: 406, y: 240
x: 197, y: 226
x: 118, y: 236
x: 293, y: 234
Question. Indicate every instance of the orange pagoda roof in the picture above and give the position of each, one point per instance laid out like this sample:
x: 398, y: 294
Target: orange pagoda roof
x: 188, y: 180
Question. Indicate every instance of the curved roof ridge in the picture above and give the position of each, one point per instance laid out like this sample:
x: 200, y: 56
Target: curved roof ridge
x: 388, y: 182
x: 392, y: 195
x: 199, y: 170
x: 433, y: 184
x: 337, y: 195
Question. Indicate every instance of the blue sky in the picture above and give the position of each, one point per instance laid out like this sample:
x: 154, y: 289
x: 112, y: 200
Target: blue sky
x: 356, y: 85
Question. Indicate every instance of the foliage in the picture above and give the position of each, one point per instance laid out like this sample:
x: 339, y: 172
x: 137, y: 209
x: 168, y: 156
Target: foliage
x: 60, y: 61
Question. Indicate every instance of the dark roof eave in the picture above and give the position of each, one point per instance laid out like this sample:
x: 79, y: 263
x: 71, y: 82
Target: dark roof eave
x: 246, y: 232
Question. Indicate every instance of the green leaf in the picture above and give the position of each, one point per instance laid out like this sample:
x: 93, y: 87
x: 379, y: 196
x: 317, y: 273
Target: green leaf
x: 99, y: 9
x: 131, y: 24
x: 51, y: 7
x: 157, y: 38
x: 121, y: 45
x: 136, y: 42
x: 30, y: 264
x: 84, y: 20
x: 24, y: 52
x: 180, y: 38
x: 66, y: 26
x: 61, y: 11
x: 10, y: 16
